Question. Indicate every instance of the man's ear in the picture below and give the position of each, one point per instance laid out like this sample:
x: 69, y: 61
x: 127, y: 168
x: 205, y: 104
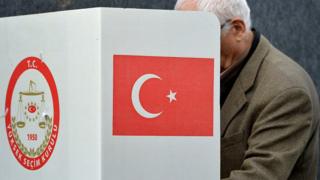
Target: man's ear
x: 238, y: 28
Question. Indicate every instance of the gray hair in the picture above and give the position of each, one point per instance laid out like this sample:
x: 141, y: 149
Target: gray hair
x: 224, y: 9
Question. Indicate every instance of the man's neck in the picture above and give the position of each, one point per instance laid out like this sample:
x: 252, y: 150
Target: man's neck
x: 239, y: 55
x: 246, y: 46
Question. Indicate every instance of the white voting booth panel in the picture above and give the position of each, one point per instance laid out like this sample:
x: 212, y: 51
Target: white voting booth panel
x: 72, y: 90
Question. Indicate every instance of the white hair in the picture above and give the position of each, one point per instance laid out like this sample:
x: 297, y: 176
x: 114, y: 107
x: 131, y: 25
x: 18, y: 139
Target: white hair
x: 224, y: 9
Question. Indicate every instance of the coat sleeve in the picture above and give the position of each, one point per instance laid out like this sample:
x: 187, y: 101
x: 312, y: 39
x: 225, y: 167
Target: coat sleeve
x: 278, y: 137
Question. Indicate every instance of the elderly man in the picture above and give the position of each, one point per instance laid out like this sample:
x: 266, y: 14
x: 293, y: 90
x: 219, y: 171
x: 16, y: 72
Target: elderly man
x: 270, y: 108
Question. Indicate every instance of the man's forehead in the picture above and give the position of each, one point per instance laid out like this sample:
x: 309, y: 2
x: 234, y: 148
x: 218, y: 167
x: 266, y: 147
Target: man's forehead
x: 188, y: 5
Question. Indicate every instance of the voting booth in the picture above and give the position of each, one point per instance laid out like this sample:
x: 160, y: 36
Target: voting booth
x: 102, y: 93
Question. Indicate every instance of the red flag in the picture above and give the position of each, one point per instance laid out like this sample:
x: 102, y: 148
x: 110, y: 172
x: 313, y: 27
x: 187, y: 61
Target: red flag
x: 162, y: 96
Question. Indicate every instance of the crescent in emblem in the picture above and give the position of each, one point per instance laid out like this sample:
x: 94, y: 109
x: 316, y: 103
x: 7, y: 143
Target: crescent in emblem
x: 135, y: 96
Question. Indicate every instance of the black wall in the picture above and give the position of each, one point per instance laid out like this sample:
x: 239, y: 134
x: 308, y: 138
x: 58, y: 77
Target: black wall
x: 292, y: 26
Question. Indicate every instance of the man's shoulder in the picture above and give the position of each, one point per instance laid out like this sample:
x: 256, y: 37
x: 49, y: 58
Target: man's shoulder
x: 278, y: 73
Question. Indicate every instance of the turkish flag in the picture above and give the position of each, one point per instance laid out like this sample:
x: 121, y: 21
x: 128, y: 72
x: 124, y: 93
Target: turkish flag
x: 162, y: 96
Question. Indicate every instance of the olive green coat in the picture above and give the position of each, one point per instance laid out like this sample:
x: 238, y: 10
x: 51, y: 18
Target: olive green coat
x: 269, y: 121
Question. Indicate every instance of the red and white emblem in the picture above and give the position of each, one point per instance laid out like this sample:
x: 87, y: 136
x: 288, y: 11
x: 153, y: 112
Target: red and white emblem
x: 32, y: 121
x: 162, y: 96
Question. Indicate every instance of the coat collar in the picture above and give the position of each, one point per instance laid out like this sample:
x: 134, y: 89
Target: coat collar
x: 237, y: 96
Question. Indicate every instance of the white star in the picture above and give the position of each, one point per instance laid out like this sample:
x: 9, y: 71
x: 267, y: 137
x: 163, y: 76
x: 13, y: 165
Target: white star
x: 172, y: 96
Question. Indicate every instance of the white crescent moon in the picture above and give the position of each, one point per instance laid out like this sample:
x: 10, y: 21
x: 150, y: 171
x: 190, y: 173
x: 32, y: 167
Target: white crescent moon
x: 135, y: 96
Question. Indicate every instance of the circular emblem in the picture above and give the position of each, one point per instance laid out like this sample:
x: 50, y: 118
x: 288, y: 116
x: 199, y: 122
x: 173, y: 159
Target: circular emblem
x: 32, y: 120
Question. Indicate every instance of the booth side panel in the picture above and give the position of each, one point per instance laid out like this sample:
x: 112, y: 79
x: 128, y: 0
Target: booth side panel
x: 66, y: 44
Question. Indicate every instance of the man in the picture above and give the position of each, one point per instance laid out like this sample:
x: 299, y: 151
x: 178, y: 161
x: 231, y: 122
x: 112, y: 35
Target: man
x: 270, y: 108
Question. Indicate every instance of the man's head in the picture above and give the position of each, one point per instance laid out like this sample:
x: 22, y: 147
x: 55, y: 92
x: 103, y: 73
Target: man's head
x: 234, y: 17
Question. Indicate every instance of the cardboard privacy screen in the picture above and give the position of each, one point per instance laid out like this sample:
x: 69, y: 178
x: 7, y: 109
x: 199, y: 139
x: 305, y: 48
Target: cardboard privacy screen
x: 119, y: 94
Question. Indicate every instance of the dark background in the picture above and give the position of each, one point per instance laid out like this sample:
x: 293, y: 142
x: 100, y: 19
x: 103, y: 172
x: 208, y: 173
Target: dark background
x: 292, y: 26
